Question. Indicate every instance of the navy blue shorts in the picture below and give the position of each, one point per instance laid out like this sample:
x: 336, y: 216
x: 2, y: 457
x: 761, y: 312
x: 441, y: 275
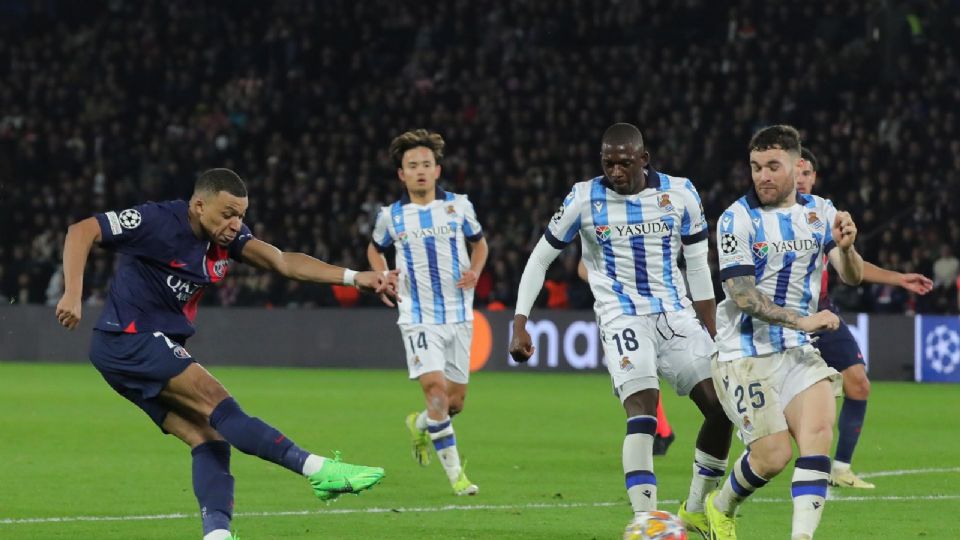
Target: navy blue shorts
x: 839, y: 348
x: 138, y: 367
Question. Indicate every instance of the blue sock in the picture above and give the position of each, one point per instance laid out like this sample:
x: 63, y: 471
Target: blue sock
x: 213, y: 484
x: 254, y: 436
x: 851, y: 420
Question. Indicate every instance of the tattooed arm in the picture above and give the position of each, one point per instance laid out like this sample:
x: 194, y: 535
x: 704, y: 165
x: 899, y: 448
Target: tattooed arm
x: 743, y: 291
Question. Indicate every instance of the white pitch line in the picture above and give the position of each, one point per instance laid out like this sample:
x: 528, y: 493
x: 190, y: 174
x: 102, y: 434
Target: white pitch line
x: 903, y: 472
x: 473, y: 507
x: 446, y: 508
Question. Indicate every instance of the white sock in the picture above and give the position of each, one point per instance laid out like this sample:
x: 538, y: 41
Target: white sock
x: 638, y: 463
x: 421, y: 422
x: 217, y: 534
x: 445, y: 443
x: 840, y: 466
x: 707, y: 475
x: 809, y: 490
x: 741, y: 483
x: 313, y: 464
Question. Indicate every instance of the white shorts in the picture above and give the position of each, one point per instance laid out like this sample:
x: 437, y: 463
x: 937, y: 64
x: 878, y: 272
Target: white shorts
x: 640, y: 349
x: 438, y: 347
x: 755, y: 390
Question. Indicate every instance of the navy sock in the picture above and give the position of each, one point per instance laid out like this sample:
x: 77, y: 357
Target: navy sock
x: 254, y: 436
x: 851, y: 421
x: 213, y: 484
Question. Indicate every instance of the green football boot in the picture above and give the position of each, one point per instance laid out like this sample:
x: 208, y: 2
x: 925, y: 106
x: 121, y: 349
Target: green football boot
x: 421, y: 440
x: 337, y: 477
x: 694, y: 521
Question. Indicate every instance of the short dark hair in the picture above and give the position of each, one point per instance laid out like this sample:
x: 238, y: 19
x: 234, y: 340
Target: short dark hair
x: 623, y: 134
x: 808, y: 156
x: 214, y: 181
x: 413, y: 139
x: 781, y: 136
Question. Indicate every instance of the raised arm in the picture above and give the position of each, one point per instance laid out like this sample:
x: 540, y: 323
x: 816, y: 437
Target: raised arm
x: 76, y: 248
x: 844, y: 256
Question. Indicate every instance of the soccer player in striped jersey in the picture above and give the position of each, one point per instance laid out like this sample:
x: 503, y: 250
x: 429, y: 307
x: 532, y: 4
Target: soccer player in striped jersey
x: 430, y: 229
x: 664, y: 436
x: 841, y: 352
x: 633, y: 222
x: 772, y: 382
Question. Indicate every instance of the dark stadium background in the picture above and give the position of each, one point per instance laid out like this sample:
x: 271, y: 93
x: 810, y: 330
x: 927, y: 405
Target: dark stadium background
x: 105, y: 104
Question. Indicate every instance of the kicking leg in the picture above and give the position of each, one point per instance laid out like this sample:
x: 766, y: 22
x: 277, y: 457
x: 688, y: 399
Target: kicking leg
x: 197, y: 391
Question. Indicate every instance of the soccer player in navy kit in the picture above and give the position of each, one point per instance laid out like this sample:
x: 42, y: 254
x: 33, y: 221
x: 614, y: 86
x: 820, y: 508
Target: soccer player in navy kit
x: 841, y: 352
x: 168, y: 253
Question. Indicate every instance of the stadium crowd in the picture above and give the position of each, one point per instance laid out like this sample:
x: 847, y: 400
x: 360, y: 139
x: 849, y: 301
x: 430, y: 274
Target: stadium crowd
x: 105, y: 104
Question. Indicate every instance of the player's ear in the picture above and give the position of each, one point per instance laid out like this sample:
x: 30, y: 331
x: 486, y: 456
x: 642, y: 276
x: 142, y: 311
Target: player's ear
x: 437, y: 174
x: 400, y: 173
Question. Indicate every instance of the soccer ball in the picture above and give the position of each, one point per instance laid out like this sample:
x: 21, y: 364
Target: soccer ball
x: 655, y: 525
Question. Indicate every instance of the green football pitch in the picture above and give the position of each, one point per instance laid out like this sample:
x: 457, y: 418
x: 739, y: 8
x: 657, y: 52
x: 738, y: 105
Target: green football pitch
x: 77, y: 461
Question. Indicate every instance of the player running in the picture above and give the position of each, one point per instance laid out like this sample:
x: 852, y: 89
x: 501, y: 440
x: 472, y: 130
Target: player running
x: 773, y: 383
x: 841, y: 352
x: 430, y: 229
x: 633, y: 222
x: 169, y: 252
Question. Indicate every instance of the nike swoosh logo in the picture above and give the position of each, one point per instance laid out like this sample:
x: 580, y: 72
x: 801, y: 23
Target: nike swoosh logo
x: 177, y: 264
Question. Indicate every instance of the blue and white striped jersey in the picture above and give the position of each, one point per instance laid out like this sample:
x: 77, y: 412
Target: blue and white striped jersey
x: 631, y: 242
x: 783, y: 250
x: 431, y: 254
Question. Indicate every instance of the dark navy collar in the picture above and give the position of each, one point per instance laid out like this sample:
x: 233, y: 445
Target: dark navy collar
x: 754, y: 201
x: 653, y: 180
x: 439, y: 196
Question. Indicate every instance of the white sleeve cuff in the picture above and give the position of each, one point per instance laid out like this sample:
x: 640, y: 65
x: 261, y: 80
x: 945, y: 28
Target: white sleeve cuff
x: 533, y: 275
x: 698, y: 271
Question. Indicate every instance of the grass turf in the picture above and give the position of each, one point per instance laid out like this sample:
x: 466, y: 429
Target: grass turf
x: 544, y: 448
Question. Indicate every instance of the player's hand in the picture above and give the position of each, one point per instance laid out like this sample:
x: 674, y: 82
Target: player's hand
x: 521, y: 347
x: 382, y: 284
x: 844, y: 230
x: 823, y: 321
x: 69, y: 311
x: 916, y: 283
x: 468, y: 280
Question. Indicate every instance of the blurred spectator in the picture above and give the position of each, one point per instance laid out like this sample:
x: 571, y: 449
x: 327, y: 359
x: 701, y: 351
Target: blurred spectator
x: 104, y: 105
x: 946, y: 268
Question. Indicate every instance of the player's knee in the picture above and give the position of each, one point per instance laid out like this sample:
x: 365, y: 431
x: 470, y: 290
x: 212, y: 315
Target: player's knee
x: 857, y: 387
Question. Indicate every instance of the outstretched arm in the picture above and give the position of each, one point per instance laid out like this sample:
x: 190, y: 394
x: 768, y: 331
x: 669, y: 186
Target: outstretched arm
x: 302, y: 267
x: 743, y: 291
x: 76, y: 248
x: 915, y: 283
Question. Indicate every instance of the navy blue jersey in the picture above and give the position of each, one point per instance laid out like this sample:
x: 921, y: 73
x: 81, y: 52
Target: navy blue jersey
x: 162, y: 269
